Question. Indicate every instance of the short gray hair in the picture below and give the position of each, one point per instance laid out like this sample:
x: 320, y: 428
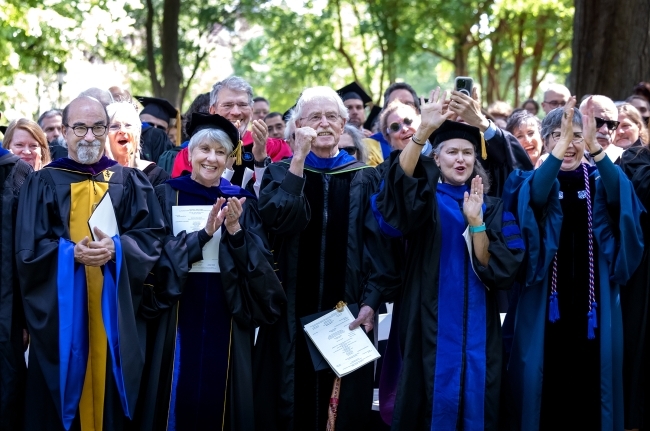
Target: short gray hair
x: 357, y: 140
x: 553, y: 121
x: 234, y: 83
x: 103, y: 96
x: 319, y: 93
x: 290, y: 128
x: 212, y: 136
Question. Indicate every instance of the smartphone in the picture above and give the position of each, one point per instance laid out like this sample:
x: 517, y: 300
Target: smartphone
x: 464, y: 85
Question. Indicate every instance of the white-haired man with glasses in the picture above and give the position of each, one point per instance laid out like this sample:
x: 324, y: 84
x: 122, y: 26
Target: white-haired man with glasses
x: 316, y: 206
x: 82, y: 289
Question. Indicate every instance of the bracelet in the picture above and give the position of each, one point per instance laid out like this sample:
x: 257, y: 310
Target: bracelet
x: 236, y: 232
x: 477, y: 229
x: 597, y: 152
x: 413, y: 139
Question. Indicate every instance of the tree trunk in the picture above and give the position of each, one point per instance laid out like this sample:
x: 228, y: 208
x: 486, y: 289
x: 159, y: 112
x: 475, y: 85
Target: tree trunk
x: 171, y: 67
x: 611, y: 47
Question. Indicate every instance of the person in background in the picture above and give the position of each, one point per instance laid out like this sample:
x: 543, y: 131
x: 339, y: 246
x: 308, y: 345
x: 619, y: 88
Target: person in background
x: 172, y: 130
x: 275, y: 124
x: 155, y: 119
x: 103, y: 96
x: 124, y: 141
x: 26, y: 139
x: 556, y: 95
x: 404, y: 93
x: 525, y: 127
x: 355, y: 99
x: 632, y: 130
x: 606, y: 117
x: 642, y: 105
x: 51, y: 123
x: 398, y: 123
x: 13, y: 334
x: 351, y: 142
x: 499, y: 111
x: 120, y: 94
x: 179, y: 156
x: 531, y: 106
x: 261, y: 108
x: 583, y: 241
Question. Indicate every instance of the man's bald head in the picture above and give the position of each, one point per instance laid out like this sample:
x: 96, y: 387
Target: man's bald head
x: 555, y: 96
x: 605, y: 109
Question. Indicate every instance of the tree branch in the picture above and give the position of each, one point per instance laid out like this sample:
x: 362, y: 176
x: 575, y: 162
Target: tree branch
x: 340, y: 48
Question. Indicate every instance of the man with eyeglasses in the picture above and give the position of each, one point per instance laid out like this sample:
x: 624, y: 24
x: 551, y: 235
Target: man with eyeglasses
x: 555, y: 96
x: 606, y: 116
x: 232, y: 98
x: 316, y: 206
x: 83, y: 289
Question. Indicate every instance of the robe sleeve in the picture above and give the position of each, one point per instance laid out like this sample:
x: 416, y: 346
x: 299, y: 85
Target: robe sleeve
x: 506, y: 249
x: 253, y: 292
x: 282, y: 204
x: 404, y: 204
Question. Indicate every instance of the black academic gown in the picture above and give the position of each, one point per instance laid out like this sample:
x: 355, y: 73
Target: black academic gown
x: 155, y: 174
x: 43, y: 212
x: 13, y: 172
x: 408, y: 206
x: 246, y: 294
x: 153, y: 142
x: 321, y: 245
x: 635, y: 303
x: 505, y: 154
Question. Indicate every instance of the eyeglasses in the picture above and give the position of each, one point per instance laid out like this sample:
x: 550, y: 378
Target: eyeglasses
x: 577, y: 137
x: 228, y: 106
x: 81, y: 131
x: 116, y: 127
x: 316, y: 117
x: 350, y: 150
x: 396, y: 127
x: 611, y: 124
x: 555, y: 103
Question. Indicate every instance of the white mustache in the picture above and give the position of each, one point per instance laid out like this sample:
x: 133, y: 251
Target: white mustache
x: 603, y: 136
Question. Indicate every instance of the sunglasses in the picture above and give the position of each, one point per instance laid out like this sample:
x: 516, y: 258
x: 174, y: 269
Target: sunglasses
x: 611, y: 124
x: 396, y: 127
x: 350, y: 150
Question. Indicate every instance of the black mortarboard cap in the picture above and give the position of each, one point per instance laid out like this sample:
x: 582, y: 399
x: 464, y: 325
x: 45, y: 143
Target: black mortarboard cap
x: 287, y: 115
x: 199, y: 121
x: 354, y: 91
x: 372, y: 116
x: 455, y: 130
x: 159, y: 108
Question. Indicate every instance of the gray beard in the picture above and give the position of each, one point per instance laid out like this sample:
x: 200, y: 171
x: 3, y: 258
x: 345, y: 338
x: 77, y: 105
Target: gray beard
x: 89, y: 152
x: 59, y: 140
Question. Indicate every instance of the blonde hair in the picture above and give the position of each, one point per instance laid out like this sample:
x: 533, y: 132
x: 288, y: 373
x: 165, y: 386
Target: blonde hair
x: 633, y: 114
x: 35, y: 131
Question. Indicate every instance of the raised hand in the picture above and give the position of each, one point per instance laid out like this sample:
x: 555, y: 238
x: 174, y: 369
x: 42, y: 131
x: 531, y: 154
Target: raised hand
x: 566, y: 129
x: 432, y: 112
x: 216, y: 217
x: 473, y: 202
x: 305, y: 136
x: 468, y: 108
x: 260, y: 133
x: 589, y: 128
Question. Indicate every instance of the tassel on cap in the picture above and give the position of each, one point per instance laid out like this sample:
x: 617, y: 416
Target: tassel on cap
x: 179, y: 127
x: 592, y: 321
x: 483, y: 148
x: 237, y: 153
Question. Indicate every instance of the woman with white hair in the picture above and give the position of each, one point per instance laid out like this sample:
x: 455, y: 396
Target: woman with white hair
x: 123, y: 144
x: 212, y: 287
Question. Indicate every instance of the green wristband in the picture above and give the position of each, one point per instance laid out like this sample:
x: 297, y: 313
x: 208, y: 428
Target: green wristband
x: 477, y: 229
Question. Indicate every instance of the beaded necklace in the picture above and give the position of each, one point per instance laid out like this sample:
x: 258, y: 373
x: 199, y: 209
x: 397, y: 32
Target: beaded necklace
x: 554, y: 309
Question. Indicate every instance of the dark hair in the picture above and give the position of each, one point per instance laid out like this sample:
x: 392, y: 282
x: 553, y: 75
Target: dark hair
x: 518, y: 117
x: 49, y: 114
x: 273, y: 115
x: 642, y: 89
x: 260, y: 99
x: 402, y: 86
x: 201, y: 104
x: 533, y: 101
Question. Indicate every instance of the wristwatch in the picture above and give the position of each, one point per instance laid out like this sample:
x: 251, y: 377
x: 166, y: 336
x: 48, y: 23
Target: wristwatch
x: 264, y: 163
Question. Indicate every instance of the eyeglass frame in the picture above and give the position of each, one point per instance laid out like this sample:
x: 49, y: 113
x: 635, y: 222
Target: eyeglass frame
x: 554, y: 103
x: 86, y: 128
x: 575, y: 139
x: 400, y: 125
x: 126, y: 127
x: 603, y: 122
x: 312, y: 118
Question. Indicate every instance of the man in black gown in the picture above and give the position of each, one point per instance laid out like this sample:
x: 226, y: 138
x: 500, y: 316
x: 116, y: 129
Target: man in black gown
x: 81, y: 296
x: 13, y: 172
x: 317, y: 207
